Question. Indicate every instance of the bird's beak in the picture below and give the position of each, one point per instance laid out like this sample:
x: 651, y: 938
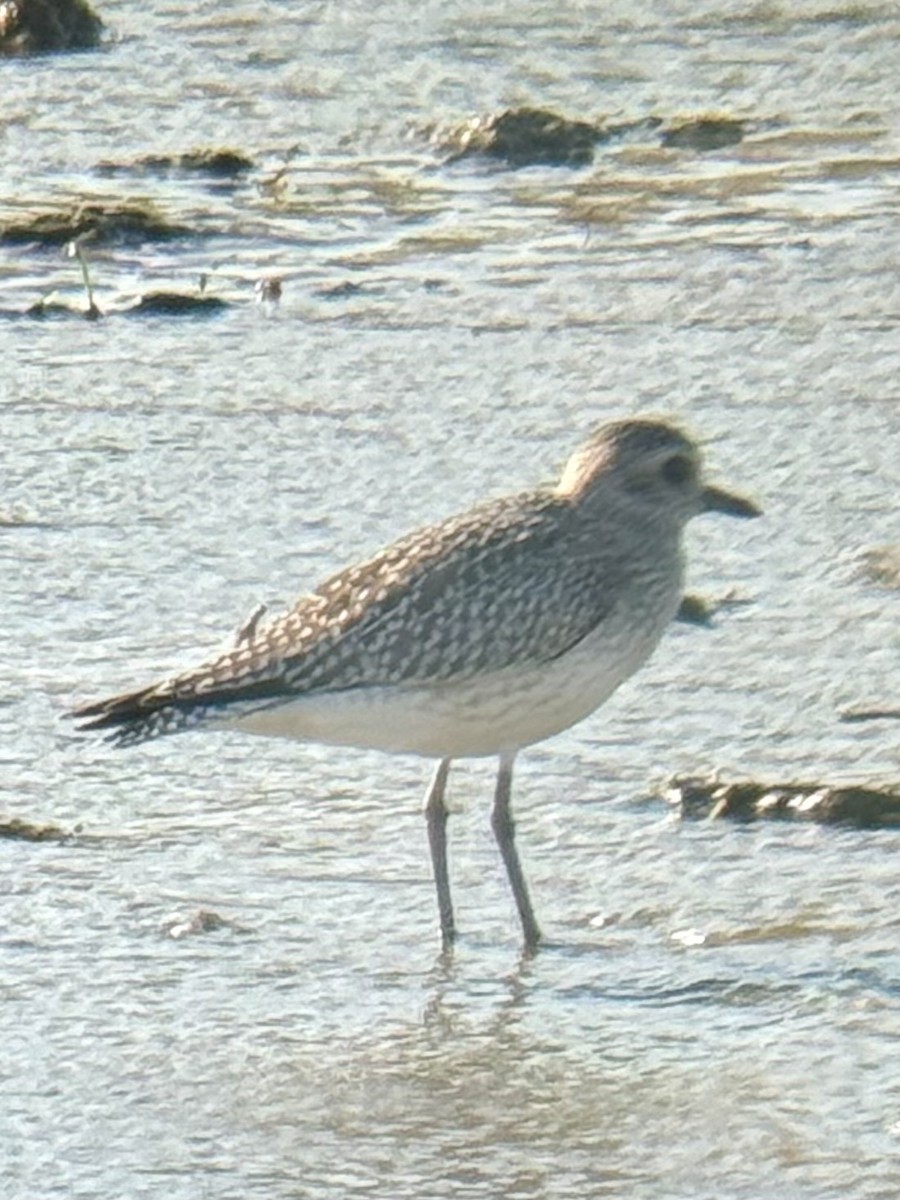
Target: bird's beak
x: 718, y: 500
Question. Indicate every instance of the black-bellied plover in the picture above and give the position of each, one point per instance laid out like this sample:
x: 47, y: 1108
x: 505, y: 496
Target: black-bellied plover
x: 473, y: 637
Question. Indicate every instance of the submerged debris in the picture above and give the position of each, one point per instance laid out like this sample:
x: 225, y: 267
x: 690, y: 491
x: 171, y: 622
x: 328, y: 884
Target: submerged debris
x: 151, y: 304
x: 168, y: 304
x: 75, y: 249
x: 866, y: 807
x: 246, y: 635
x: 342, y: 291
x: 202, y: 920
x: 49, y: 306
x: 47, y: 26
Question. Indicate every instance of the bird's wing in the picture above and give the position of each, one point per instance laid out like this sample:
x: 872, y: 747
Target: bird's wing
x: 495, y: 587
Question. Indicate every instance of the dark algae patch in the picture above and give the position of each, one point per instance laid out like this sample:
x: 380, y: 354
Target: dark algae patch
x: 870, y: 712
x: 864, y: 807
x: 177, y: 304
x: 47, y: 27
x: 699, y: 610
x: 129, y: 221
x: 15, y: 829
x: 881, y: 565
x: 219, y: 164
x: 704, y: 133
x: 523, y: 137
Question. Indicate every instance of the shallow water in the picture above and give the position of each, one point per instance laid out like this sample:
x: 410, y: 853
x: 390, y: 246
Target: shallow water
x: 717, y: 1012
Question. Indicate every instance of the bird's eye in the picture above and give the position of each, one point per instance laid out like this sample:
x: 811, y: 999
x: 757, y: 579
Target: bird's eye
x: 678, y: 470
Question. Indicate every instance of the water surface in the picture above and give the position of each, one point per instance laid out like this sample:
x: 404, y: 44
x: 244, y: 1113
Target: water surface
x: 717, y: 1012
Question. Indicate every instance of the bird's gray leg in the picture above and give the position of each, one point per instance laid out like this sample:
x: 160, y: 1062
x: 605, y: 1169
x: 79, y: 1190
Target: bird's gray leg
x: 505, y: 832
x: 436, y: 816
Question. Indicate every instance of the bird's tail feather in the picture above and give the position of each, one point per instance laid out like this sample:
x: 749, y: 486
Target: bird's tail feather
x: 139, y: 716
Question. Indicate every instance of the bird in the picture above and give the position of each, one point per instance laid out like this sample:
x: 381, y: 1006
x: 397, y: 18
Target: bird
x: 472, y: 637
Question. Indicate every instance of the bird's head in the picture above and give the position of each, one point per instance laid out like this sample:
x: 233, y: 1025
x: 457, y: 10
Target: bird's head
x: 648, y: 463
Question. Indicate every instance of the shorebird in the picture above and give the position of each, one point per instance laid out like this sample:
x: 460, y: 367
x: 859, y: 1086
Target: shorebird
x: 476, y: 636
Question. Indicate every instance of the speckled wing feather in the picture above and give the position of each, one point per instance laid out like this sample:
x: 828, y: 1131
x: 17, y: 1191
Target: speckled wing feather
x: 471, y: 595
